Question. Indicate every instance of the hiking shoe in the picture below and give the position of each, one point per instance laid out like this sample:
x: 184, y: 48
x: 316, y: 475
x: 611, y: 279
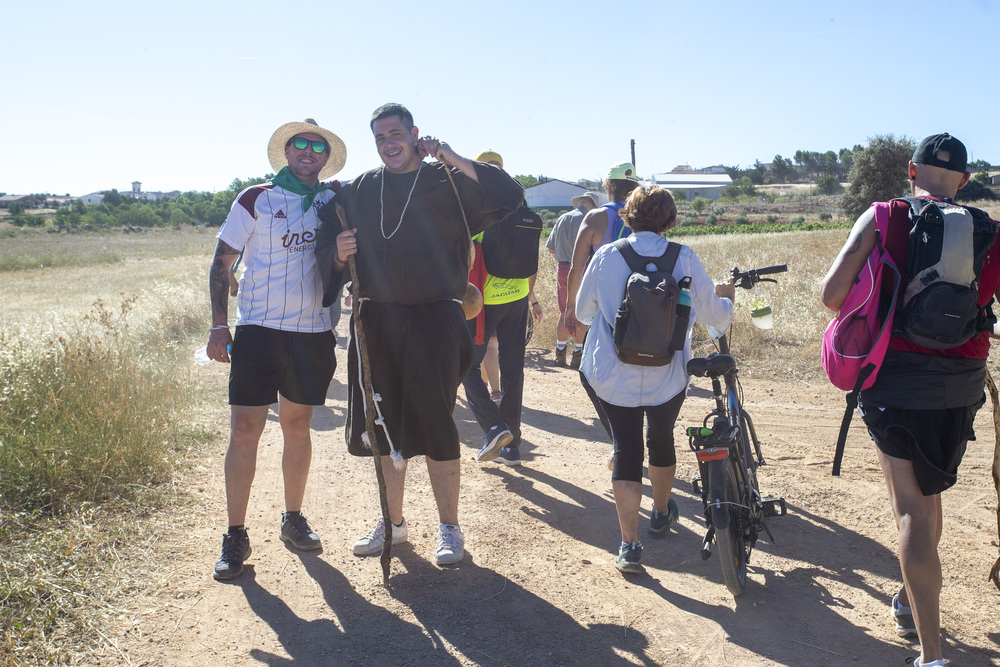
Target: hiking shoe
x: 235, y: 550
x: 629, y: 557
x: 510, y: 456
x: 905, y: 627
x: 295, y: 530
x: 577, y: 358
x: 496, y: 438
x: 371, y: 544
x: 561, y: 357
x: 451, y: 545
x: 659, y: 524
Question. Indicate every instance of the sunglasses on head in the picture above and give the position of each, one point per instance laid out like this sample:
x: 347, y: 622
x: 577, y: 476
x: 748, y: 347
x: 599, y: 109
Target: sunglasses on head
x: 301, y: 144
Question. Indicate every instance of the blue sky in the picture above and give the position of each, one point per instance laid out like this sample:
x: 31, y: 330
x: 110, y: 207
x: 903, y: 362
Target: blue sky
x: 185, y: 95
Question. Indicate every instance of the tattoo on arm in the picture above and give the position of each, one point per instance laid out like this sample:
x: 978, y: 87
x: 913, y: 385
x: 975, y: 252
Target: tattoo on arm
x: 218, y: 280
x: 853, y: 247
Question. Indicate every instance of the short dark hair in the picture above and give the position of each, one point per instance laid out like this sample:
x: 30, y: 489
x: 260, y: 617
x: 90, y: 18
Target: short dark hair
x: 618, y: 189
x: 650, y: 209
x: 392, y: 109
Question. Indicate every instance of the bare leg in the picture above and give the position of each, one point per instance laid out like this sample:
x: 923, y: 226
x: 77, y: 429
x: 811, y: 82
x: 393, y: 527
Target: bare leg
x: 662, y: 481
x: 246, y: 425
x: 918, y: 519
x: 445, y: 478
x: 395, y: 482
x: 296, y: 456
x: 628, y: 497
x: 491, y: 365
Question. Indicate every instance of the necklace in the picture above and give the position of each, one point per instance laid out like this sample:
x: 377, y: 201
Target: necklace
x: 381, y: 206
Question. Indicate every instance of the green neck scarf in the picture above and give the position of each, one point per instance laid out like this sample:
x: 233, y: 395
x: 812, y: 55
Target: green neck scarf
x: 285, y: 180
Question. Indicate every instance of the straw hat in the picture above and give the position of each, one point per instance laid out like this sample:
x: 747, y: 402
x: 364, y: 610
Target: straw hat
x: 335, y: 147
x: 592, y: 196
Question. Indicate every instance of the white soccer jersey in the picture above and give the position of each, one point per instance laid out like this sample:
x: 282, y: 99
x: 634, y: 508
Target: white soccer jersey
x: 280, y: 287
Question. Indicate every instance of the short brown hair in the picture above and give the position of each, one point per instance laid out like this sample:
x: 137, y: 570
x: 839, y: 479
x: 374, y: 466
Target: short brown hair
x: 618, y: 189
x: 650, y: 209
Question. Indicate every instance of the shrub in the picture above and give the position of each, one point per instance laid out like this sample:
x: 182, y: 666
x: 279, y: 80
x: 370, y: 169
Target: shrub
x: 741, y: 219
x: 772, y: 218
x: 826, y: 216
x: 699, y: 204
x: 687, y: 221
x: 798, y: 220
x: 712, y: 218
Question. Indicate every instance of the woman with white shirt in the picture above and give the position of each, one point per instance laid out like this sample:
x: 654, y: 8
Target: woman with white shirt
x: 630, y: 392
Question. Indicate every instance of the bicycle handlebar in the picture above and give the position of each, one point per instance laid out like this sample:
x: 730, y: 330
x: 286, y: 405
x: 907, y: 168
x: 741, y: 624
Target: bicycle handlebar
x: 750, y: 277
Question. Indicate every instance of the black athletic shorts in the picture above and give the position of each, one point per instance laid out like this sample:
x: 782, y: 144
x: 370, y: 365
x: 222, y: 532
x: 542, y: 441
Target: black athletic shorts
x: 266, y: 362
x: 933, y: 440
x: 419, y: 355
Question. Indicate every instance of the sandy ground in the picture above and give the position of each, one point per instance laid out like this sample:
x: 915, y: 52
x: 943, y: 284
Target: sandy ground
x: 537, y: 586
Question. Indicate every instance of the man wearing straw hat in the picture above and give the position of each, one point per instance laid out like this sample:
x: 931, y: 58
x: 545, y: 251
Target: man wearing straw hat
x: 560, y: 243
x: 410, y: 225
x: 283, y: 347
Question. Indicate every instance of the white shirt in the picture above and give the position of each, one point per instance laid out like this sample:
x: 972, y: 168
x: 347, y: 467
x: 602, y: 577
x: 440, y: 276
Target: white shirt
x: 280, y: 287
x: 597, y: 302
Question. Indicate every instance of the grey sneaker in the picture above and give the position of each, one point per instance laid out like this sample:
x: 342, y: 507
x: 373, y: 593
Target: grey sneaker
x: 451, y: 545
x: 905, y: 627
x: 371, y: 544
x: 496, y: 438
x: 629, y: 557
x: 659, y: 524
x: 295, y: 530
x: 235, y: 550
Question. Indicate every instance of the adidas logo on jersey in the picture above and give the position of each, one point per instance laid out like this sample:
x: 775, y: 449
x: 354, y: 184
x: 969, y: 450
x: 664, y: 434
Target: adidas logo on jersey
x: 280, y: 214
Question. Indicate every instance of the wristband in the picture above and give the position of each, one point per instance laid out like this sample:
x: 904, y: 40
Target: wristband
x: 535, y: 303
x: 219, y: 326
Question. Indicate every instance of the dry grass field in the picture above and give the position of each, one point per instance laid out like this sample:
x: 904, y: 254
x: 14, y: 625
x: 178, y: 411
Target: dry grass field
x: 537, y: 585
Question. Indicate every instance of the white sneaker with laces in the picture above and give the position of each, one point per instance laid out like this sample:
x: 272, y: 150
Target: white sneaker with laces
x: 451, y: 545
x: 371, y: 544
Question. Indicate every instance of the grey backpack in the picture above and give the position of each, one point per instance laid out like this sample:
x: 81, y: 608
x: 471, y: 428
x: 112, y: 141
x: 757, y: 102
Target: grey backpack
x: 651, y: 323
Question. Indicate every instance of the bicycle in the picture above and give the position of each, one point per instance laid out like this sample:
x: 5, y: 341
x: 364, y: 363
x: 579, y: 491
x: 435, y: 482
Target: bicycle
x: 728, y: 453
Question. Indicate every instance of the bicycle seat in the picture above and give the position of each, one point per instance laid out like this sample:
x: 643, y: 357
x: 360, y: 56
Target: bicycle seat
x: 711, y: 366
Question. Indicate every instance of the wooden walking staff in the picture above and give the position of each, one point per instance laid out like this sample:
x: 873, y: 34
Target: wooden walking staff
x: 366, y: 376
x: 995, y: 571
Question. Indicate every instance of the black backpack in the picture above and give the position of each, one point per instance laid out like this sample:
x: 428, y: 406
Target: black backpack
x: 939, y: 308
x: 651, y: 324
x: 510, y: 247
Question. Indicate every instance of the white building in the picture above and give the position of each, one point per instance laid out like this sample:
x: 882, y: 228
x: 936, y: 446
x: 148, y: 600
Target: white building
x: 696, y: 184
x: 556, y: 194
x: 92, y: 199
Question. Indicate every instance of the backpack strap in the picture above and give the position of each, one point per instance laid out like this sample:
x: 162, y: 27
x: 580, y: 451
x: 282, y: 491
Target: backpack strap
x: 637, y: 263
x: 881, y: 229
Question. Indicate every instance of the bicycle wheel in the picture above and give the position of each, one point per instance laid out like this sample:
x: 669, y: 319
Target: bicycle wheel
x: 730, y: 541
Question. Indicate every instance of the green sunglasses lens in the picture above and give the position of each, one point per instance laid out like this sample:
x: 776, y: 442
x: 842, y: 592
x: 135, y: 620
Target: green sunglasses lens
x: 318, y: 146
x: 300, y: 143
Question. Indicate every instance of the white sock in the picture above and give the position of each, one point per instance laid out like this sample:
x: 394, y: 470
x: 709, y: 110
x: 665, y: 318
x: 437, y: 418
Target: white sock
x: 561, y: 344
x: 579, y: 347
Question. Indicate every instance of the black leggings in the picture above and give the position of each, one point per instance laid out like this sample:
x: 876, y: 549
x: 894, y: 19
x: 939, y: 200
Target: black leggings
x: 626, y: 431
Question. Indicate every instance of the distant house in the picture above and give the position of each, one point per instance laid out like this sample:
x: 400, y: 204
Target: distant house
x: 695, y: 183
x: 57, y: 202
x: 27, y: 200
x: 137, y: 193
x: 555, y: 194
x: 92, y: 199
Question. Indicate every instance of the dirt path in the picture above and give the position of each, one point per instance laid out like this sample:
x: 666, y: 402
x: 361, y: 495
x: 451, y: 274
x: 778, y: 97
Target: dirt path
x: 537, y: 585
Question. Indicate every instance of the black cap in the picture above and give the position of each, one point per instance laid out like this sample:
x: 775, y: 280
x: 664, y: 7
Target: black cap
x: 927, y: 151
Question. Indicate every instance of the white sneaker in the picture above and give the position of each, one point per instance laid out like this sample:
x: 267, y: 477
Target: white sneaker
x: 371, y: 544
x: 451, y: 545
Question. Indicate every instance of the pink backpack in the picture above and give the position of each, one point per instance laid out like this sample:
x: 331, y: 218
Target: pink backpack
x: 855, y: 342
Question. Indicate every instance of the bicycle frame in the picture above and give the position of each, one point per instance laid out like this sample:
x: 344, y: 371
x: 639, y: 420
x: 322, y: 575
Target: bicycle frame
x: 729, y: 453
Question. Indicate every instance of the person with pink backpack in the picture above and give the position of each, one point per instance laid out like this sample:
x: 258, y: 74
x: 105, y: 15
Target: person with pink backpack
x: 920, y: 405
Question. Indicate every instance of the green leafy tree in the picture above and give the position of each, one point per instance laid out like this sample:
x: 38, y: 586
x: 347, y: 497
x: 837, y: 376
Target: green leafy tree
x: 112, y: 197
x: 741, y: 188
x: 974, y: 191
x: 699, y: 204
x: 16, y: 208
x: 529, y: 180
x: 878, y: 173
x: 679, y: 195
x: 983, y: 177
x: 827, y: 184
x: 782, y: 170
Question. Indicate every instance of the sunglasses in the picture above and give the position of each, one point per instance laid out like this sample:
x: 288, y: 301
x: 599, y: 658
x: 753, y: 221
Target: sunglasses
x: 302, y: 144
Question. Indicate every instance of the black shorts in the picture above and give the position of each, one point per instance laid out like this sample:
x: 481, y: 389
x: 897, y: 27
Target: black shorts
x: 266, y: 362
x: 626, y: 429
x: 419, y: 355
x: 933, y: 440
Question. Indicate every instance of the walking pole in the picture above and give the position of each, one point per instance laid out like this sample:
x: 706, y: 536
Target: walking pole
x: 369, y: 410
x: 995, y: 571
